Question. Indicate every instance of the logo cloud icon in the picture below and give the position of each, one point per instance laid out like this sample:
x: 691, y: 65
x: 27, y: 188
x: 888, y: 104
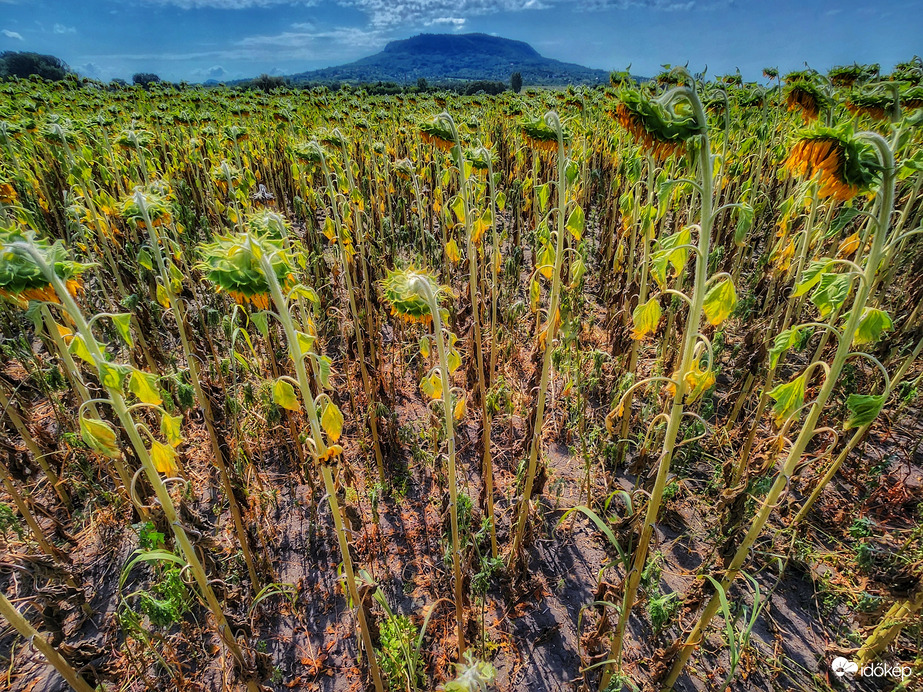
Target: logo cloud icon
x: 841, y: 666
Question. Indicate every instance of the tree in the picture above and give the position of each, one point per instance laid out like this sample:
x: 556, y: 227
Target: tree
x: 25, y: 64
x: 422, y: 84
x: 267, y: 82
x: 516, y: 82
x: 144, y: 78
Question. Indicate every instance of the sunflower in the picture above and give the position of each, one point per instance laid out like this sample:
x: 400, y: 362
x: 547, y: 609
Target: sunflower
x: 912, y: 98
x: 233, y: 264
x: 308, y: 152
x: 481, y: 159
x: 845, y: 164
x: 154, y: 200
x: 541, y: 136
x: 404, y: 290
x: 435, y: 132
x: 664, y: 131
x: 876, y: 105
x: 22, y: 280
x: 806, y: 96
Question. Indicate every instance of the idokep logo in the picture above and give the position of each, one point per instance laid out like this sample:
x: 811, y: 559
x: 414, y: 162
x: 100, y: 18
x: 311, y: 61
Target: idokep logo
x: 842, y: 667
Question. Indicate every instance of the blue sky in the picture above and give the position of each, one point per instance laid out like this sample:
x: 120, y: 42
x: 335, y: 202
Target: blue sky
x: 198, y: 40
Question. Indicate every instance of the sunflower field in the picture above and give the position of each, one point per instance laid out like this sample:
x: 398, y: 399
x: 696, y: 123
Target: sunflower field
x: 606, y: 389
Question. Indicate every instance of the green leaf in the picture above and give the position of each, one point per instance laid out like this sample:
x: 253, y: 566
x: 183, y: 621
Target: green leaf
x: 784, y: 341
x: 535, y: 293
x: 845, y: 215
x: 831, y: 292
x: 863, y: 409
x: 171, y: 427
x: 720, y: 302
x: 453, y: 360
x: 261, y: 320
x: 458, y: 208
x: 283, y: 394
x: 99, y: 436
x: 745, y: 216
x: 645, y: 318
x: 112, y: 375
x: 811, y: 276
x: 544, y: 194
x: 122, y: 324
x: 323, y: 371
x: 78, y: 347
x: 144, y: 259
x: 331, y: 420
x: 577, y: 271
x: 789, y: 398
x: 871, y: 326
x: 575, y: 222
x: 546, y: 257
x: 305, y: 342
x: 500, y: 201
x: 424, y: 346
x: 144, y: 386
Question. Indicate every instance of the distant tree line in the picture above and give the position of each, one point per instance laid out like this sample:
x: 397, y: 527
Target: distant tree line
x: 26, y: 64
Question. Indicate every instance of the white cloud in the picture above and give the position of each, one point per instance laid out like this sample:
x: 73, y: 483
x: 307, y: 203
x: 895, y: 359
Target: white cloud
x: 61, y: 29
x: 392, y: 13
x: 455, y: 22
x: 12, y: 34
x: 228, y: 4
x: 90, y: 70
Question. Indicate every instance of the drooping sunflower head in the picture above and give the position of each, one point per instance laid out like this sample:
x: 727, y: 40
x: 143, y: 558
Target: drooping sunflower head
x: 332, y: 138
x: 912, y: 98
x: 845, y: 75
x: 911, y: 72
x: 481, y: 159
x: 236, y: 133
x: 233, y: 264
x: 750, y: 97
x: 845, y: 165
x: 541, y: 136
x: 406, y: 290
x: 225, y: 174
x: 22, y: 279
x: 403, y: 168
x: 152, y: 200
x: 437, y: 132
x: 308, y: 152
x: 269, y: 224
x: 874, y: 103
x: 133, y: 139
x: 664, y: 130
x: 805, y: 95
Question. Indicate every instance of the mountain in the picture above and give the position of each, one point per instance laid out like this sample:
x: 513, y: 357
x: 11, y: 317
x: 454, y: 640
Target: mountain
x: 440, y: 58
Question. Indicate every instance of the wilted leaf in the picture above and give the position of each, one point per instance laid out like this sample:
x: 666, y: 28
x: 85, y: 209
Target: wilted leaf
x: 645, y: 318
x: 144, y: 386
x: 575, y: 222
x: 789, y: 398
x: 332, y: 421
x: 283, y: 394
x: 871, y: 326
x: 99, y: 436
x: 863, y: 409
x: 720, y: 302
x: 164, y: 458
